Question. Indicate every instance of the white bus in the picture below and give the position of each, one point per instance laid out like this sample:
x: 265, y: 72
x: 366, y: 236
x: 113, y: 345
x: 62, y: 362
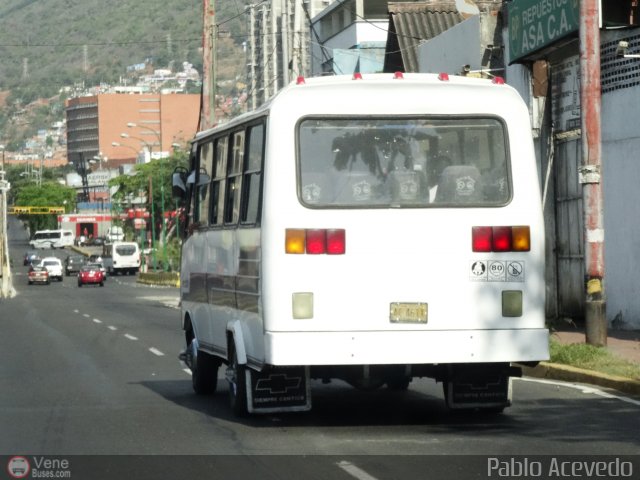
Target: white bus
x: 372, y: 229
x: 121, y: 257
x: 52, y: 239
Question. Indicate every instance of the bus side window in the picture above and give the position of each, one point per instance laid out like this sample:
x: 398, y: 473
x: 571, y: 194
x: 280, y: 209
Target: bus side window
x: 234, y: 179
x: 253, y: 175
x: 204, y: 191
x: 219, y: 180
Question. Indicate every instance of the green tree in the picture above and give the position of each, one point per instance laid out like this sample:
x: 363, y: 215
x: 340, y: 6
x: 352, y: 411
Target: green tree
x: 154, y: 177
x: 49, y: 194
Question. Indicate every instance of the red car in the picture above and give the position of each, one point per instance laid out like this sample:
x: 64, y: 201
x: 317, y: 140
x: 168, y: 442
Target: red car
x: 90, y: 274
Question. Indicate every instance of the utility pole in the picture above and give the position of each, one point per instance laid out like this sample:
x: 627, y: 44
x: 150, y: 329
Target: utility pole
x: 590, y: 173
x: 6, y: 287
x: 207, y: 113
x: 284, y: 36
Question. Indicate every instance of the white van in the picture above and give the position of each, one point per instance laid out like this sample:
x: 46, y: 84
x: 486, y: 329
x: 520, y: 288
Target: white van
x: 121, y: 257
x: 115, y: 234
x: 52, y: 239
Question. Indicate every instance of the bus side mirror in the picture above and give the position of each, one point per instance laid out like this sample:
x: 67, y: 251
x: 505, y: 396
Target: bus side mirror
x: 179, y: 183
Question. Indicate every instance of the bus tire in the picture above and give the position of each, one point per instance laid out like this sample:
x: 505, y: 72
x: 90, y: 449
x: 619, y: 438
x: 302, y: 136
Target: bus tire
x: 204, y: 371
x: 237, y: 374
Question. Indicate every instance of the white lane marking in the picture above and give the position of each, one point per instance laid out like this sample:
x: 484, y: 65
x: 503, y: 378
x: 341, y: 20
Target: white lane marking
x: 86, y: 315
x: 112, y: 328
x: 187, y: 371
x: 76, y: 311
x: 95, y: 320
x: 157, y: 352
x: 354, y: 471
x: 130, y: 337
x: 582, y: 388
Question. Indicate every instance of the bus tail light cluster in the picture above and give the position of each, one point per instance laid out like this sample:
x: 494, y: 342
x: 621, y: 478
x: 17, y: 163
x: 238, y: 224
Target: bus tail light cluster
x: 314, y: 241
x: 501, y: 239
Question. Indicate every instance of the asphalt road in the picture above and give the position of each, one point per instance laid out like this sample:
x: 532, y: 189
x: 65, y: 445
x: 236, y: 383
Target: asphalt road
x: 89, y: 373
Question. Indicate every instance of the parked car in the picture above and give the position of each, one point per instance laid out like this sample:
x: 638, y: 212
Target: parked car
x: 53, y: 266
x: 91, y: 274
x: 73, y: 264
x: 97, y: 242
x: 38, y: 274
x: 31, y: 257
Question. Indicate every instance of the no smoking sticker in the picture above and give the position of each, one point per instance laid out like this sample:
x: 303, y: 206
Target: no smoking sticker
x: 515, y: 271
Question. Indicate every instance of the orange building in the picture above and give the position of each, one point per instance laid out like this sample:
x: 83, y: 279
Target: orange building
x: 151, y: 123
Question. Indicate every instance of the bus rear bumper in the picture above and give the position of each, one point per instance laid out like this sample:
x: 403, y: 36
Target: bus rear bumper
x: 406, y: 347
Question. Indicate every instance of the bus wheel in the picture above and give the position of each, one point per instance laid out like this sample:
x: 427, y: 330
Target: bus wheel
x: 204, y: 370
x: 236, y: 375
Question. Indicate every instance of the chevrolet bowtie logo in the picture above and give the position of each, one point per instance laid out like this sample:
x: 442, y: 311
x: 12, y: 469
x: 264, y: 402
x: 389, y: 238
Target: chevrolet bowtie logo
x: 278, y: 383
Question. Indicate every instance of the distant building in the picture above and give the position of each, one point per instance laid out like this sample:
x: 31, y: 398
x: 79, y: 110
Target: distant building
x: 152, y: 124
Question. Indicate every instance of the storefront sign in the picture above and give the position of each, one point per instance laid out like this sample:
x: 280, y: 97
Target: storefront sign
x: 534, y: 24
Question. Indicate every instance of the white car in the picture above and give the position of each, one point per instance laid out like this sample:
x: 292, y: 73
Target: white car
x: 53, y: 266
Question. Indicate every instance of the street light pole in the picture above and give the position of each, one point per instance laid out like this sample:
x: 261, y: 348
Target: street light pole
x: 149, y: 147
x: 158, y: 135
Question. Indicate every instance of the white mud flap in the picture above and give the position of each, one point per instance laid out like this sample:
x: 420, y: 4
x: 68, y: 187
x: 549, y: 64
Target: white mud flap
x: 478, y: 387
x: 278, y: 389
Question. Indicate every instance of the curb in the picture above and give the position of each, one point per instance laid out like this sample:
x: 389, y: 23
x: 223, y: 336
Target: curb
x: 165, y: 279
x: 568, y: 373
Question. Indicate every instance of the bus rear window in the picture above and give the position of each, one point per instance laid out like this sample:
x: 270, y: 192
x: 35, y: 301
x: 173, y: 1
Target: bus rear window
x: 403, y: 162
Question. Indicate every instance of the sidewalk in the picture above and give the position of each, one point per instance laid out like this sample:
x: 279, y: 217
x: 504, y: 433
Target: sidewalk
x: 622, y: 343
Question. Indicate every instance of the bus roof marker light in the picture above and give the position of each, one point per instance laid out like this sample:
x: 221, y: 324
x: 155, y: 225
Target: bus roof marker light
x: 398, y: 76
x: 357, y: 76
x: 443, y: 77
x: 300, y: 80
x: 498, y: 81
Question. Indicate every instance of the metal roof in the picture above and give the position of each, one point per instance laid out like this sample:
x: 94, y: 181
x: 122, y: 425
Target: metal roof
x: 411, y: 23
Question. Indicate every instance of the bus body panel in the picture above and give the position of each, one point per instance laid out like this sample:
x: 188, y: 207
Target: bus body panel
x: 406, y: 348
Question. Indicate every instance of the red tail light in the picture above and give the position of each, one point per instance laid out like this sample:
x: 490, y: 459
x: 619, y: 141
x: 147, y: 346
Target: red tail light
x: 443, y: 77
x: 482, y: 239
x: 501, y: 239
x: 336, y: 244
x: 315, y: 241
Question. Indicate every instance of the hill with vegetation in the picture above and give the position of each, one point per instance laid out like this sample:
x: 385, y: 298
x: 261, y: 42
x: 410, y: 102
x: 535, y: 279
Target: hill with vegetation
x: 46, y: 45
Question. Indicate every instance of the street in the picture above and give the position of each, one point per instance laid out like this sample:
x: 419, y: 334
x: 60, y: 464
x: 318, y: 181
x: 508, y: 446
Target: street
x: 95, y: 371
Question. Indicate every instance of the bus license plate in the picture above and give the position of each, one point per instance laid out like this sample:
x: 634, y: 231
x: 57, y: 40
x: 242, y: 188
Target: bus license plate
x: 401, y: 312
